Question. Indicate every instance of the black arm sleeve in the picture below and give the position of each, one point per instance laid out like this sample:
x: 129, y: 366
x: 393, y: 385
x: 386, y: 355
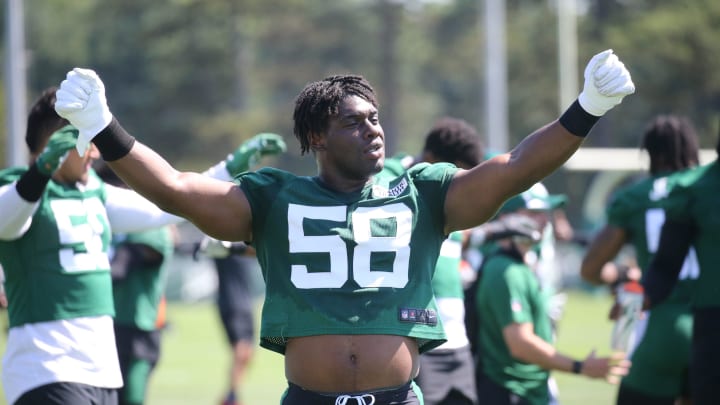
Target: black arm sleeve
x: 132, y: 256
x: 32, y: 184
x: 675, y: 241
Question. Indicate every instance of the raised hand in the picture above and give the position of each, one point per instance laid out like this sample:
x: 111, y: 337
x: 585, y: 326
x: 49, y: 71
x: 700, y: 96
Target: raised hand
x: 56, y: 150
x: 252, y: 150
x: 607, y: 81
x: 81, y: 100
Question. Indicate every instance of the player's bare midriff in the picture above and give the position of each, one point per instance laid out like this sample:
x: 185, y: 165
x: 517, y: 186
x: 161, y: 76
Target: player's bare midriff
x: 351, y: 363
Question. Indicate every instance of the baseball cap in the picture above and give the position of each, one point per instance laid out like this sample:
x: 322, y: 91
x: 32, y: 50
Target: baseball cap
x: 536, y: 198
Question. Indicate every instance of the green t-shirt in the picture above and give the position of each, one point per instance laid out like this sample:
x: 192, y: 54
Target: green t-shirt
x: 509, y: 292
x: 137, y: 296
x: 695, y: 200
x: 349, y: 263
x: 59, y: 269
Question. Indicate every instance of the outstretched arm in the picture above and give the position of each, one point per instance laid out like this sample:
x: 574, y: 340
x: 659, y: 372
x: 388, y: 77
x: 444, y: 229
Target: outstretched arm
x: 476, y: 194
x: 525, y: 345
x: 218, y: 208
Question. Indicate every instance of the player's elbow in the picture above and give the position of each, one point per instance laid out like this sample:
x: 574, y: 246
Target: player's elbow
x: 518, y: 343
x: 517, y: 350
x: 522, y: 351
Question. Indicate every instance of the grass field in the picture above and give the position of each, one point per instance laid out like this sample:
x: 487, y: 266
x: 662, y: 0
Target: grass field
x: 195, y: 357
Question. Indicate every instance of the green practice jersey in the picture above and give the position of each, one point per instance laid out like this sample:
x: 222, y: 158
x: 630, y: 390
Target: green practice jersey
x: 509, y: 292
x: 137, y: 296
x: 59, y: 269
x: 637, y: 209
x: 695, y: 200
x: 349, y: 263
x: 397, y: 165
x: 446, y: 279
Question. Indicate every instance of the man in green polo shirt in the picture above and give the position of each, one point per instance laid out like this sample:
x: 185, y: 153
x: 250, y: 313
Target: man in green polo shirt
x: 515, y: 331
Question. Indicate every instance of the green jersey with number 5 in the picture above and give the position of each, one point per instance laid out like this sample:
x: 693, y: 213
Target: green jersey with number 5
x: 357, y: 263
x: 667, y: 328
x: 64, y: 250
x: 638, y: 209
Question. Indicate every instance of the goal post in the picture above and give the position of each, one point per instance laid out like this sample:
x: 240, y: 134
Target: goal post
x: 623, y: 159
x: 613, y: 166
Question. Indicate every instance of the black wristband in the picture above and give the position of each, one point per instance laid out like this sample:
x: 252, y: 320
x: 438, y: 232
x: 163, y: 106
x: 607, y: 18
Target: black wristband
x: 578, y: 121
x: 32, y: 184
x: 577, y: 367
x: 113, y: 142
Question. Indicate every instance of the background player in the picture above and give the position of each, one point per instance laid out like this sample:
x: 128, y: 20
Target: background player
x: 515, y: 338
x: 55, y: 234
x: 635, y: 216
x: 692, y: 223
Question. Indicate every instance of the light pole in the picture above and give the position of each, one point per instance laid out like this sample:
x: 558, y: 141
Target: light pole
x: 496, y: 110
x: 567, y: 53
x: 16, y: 98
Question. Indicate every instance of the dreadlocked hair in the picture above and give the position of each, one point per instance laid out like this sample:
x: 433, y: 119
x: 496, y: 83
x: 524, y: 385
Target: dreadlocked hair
x: 42, y: 121
x: 672, y: 143
x: 454, y: 140
x: 320, y: 100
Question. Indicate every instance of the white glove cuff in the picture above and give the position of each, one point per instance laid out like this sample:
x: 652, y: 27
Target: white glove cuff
x: 87, y: 133
x: 590, y: 104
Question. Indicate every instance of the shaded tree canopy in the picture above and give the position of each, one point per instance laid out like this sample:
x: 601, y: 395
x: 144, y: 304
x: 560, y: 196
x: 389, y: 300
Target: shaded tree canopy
x: 194, y: 78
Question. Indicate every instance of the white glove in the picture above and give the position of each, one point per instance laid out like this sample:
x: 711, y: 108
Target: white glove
x: 214, y: 249
x: 606, y: 83
x: 81, y: 100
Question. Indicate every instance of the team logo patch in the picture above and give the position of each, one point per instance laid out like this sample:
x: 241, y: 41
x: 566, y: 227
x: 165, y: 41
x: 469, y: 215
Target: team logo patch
x: 418, y: 315
x: 382, y: 192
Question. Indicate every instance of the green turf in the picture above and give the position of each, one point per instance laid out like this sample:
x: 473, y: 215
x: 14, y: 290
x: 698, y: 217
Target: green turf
x: 585, y: 326
x: 195, y: 357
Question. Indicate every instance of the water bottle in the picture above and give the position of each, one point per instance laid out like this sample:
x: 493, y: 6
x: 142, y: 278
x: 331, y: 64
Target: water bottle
x: 630, y: 299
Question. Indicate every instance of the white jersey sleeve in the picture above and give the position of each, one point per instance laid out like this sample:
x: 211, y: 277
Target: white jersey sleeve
x: 218, y: 172
x: 16, y: 213
x: 128, y: 211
